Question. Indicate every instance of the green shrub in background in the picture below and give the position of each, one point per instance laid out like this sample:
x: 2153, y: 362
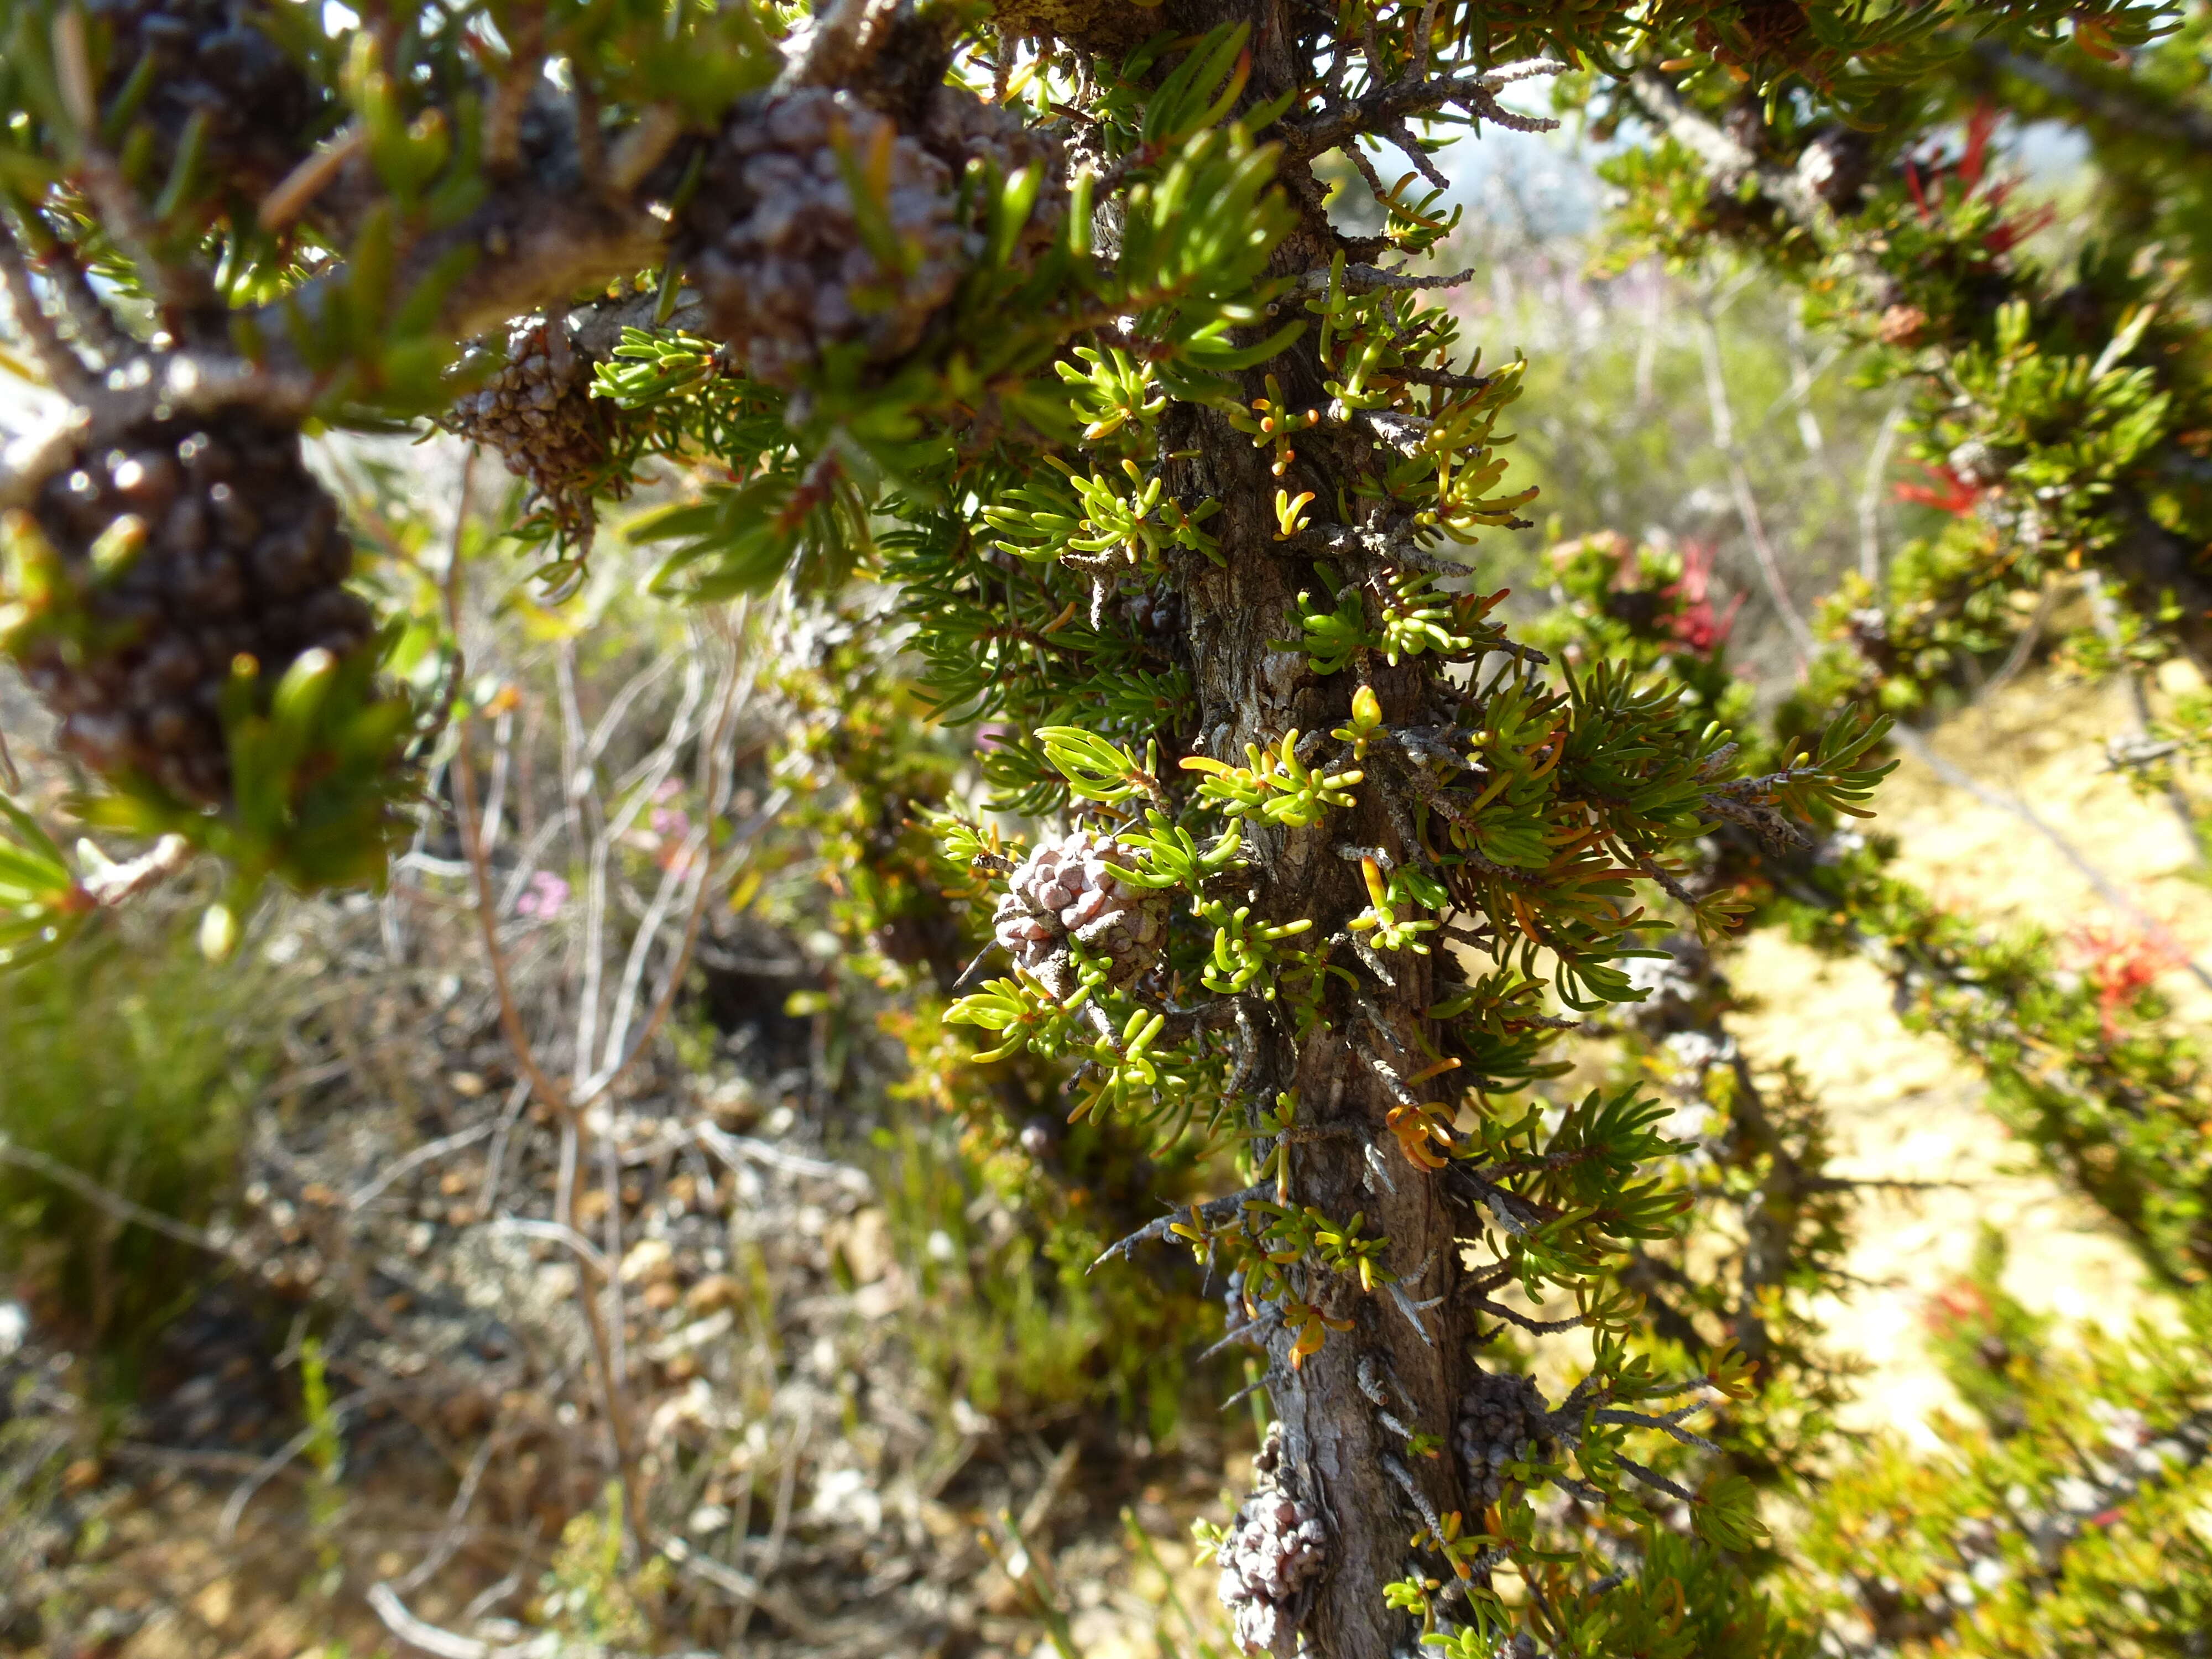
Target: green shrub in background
x: 134, y: 1063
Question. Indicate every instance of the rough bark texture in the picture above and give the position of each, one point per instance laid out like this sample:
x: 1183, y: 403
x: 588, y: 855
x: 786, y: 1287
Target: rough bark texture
x: 1335, y: 1454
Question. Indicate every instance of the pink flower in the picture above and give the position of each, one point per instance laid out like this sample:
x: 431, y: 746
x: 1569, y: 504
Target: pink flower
x: 545, y: 896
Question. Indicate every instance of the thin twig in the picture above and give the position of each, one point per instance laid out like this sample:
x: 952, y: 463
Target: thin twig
x: 1746, y: 503
x: 114, y: 1203
x: 62, y: 365
x: 415, y: 1160
x: 1877, y: 472
x: 553, y: 1232
x: 526, y: 1055
x: 2107, y: 616
x: 273, y: 1465
x: 511, y: 91
x: 292, y: 194
x: 183, y: 291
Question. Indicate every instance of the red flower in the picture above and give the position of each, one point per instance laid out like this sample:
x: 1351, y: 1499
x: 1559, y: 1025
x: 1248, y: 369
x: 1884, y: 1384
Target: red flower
x: 1969, y: 170
x: 1696, y: 627
x: 2123, y: 963
x: 1949, y: 492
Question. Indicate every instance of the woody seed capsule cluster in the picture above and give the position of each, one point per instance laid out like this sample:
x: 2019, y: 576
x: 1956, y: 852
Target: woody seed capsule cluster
x: 1498, y: 1416
x: 539, y: 414
x: 776, y: 246
x: 1275, y: 1549
x: 184, y: 544
x: 212, y: 61
x: 962, y: 129
x: 1067, y: 890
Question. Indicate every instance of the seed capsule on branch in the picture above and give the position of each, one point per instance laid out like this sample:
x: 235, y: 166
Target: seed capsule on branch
x: 779, y: 249
x: 216, y: 63
x: 1276, y: 1548
x: 539, y: 414
x: 962, y: 129
x: 180, y: 544
x: 791, y: 266
x: 1499, y: 1415
x: 1067, y: 890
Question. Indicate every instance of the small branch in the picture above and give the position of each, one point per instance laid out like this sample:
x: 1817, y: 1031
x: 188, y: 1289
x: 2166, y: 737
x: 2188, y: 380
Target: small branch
x: 62, y: 365
x: 836, y: 43
x: 1729, y: 163
x: 181, y: 291
x: 1366, y: 279
x: 517, y: 84
x: 1244, y: 1393
x: 1667, y: 1424
x: 415, y: 1159
x: 1404, y: 1478
x: 270, y: 1467
x: 114, y: 1203
x: 748, y: 1591
x: 56, y: 259
x: 525, y: 1056
x: 1443, y: 378
x: 553, y: 1232
x: 292, y: 194
x: 591, y: 142
x: 432, y: 1639
x: 2138, y: 111
x: 472, y: 833
x: 733, y: 1149
x: 641, y: 150
x: 1653, y: 1478
x: 1303, y: 140
x: 1413, y: 1311
x: 2107, y: 616
x: 1877, y: 472
x: 1208, y: 1213
x: 108, y: 884
x: 1534, y: 1327
x: 449, y: 1536
x: 1746, y: 503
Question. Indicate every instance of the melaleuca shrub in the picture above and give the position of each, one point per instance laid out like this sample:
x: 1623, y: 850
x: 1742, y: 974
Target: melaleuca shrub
x: 1287, y: 856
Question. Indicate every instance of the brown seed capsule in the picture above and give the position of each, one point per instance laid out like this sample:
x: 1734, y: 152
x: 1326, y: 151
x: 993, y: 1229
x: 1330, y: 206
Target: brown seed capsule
x: 1276, y: 1548
x: 1502, y: 1420
x: 1068, y: 889
x: 1901, y: 325
x: 247, y: 556
x: 216, y: 61
x: 539, y: 414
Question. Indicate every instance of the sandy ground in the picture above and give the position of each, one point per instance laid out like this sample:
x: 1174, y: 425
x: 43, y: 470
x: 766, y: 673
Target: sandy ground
x: 1902, y: 1106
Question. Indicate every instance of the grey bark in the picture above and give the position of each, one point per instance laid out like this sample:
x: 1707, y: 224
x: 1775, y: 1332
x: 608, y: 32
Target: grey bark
x: 1336, y: 1455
